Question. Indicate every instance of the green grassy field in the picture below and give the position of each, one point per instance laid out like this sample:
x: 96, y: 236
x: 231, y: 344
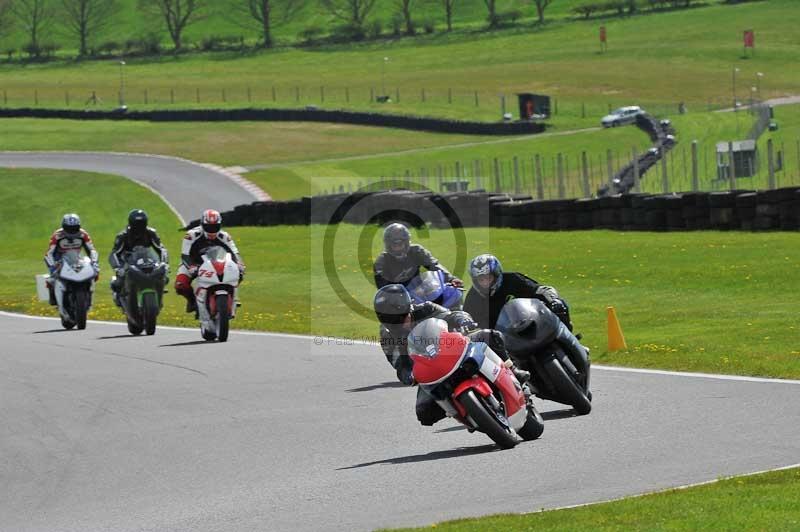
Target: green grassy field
x: 307, y: 159
x: 770, y: 505
x: 559, y: 59
x: 223, y: 143
x: 716, y: 302
x: 470, y: 14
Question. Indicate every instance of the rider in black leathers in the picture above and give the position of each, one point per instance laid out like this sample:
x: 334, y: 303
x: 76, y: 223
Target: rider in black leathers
x: 136, y: 234
x: 398, y: 316
x: 492, y: 289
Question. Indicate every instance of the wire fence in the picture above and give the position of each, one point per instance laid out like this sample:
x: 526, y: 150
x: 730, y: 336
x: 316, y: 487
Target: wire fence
x: 771, y: 164
x: 489, y: 103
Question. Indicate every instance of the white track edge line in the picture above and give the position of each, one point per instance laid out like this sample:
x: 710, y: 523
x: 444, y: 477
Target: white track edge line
x: 347, y: 341
x: 665, y: 490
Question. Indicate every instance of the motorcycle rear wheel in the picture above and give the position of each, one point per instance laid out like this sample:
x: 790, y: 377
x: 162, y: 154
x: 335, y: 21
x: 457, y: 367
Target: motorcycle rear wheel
x: 482, y: 415
x: 134, y: 328
x: 534, y: 425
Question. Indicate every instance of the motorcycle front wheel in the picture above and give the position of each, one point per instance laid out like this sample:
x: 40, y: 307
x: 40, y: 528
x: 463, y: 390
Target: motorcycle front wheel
x: 486, y: 420
x: 223, y: 317
x: 567, y: 389
x: 81, y: 299
x: 149, y: 313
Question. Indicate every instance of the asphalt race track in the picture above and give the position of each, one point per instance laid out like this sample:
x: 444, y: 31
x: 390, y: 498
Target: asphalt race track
x: 104, y: 431
x: 190, y: 187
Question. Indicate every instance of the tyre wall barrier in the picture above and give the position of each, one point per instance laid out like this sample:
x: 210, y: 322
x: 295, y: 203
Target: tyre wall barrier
x: 289, y: 115
x: 744, y: 210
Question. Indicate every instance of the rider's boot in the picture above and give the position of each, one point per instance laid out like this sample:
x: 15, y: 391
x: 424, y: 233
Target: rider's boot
x: 52, y: 290
x: 191, y: 304
x: 521, y: 375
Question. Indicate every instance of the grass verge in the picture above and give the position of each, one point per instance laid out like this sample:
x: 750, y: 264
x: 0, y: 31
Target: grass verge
x: 770, y: 505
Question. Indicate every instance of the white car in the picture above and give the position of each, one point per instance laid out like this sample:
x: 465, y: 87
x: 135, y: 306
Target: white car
x: 623, y: 115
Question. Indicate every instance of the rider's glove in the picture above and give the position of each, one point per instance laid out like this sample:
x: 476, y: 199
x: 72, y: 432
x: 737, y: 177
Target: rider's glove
x: 558, y: 307
x: 458, y: 283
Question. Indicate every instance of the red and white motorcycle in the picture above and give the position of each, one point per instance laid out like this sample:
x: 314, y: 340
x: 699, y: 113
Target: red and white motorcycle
x: 472, y: 384
x: 215, y: 289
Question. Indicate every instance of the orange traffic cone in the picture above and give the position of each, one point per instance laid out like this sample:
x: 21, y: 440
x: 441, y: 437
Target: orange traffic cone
x: 616, y: 340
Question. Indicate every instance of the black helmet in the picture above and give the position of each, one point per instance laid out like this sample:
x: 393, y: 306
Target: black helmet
x: 137, y: 221
x: 393, y: 235
x: 71, y: 224
x: 392, y: 304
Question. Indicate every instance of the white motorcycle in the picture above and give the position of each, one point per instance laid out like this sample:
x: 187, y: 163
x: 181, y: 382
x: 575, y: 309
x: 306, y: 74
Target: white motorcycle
x: 216, y: 286
x: 74, y: 287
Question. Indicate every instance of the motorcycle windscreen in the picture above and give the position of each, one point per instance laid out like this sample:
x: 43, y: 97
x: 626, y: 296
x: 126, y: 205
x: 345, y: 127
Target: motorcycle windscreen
x: 427, y: 286
x: 436, y: 352
x: 143, y: 255
x: 518, y: 315
x: 73, y: 259
x: 216, y: 253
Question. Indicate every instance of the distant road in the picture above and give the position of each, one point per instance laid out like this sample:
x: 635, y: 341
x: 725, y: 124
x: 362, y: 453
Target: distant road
x: 187, y: 186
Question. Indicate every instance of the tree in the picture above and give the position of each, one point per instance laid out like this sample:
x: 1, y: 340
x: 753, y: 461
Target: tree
x: 5, y: 17
x: 352, y: 12
x: 265, y: 14
x: 404, y: 7
x: 541, y: 5
x: 35, y: 16
x: 491, y: 6
x: 448, y: 12
x: 86, y: 18
x: 177, y: 15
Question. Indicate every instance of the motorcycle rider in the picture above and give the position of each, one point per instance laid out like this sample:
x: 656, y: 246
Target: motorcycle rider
x: 69, y: 238
x: 398, y: 316
x: 400, y: 261
x: 492, y: 288
x: 137, y: 233
x: 196, y: 241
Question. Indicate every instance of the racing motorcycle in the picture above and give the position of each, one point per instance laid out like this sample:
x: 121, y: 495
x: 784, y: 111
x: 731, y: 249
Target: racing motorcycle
x: 142, y: 289
x: 540, y: 343
x: 217, y: 280
x: 74, y: 286
x: 431, y: 286
x: 472, y: 384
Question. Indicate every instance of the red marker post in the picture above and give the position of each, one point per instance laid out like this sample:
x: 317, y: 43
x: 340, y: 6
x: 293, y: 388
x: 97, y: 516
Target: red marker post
x: 749, y: 41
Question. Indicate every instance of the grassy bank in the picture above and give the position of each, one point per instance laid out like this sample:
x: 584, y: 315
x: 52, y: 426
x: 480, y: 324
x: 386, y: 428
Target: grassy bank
x: 653, y: 59
x: 705, y: 301
x: 770, y: 505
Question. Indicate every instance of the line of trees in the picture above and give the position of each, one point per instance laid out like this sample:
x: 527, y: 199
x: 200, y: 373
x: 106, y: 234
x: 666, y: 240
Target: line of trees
x: 84, y: 20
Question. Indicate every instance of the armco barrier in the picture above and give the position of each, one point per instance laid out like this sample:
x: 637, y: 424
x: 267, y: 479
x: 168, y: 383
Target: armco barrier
x: 290, y: 115
x: 731, y: 210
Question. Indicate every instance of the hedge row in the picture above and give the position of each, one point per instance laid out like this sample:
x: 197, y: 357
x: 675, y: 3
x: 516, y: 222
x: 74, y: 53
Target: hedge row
x: 290, y: 115
x: 731, y: 210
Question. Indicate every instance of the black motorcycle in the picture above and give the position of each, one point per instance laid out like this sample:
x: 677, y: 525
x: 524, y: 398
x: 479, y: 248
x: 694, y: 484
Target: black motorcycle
x: 141, y: 294
x: 539, y: 342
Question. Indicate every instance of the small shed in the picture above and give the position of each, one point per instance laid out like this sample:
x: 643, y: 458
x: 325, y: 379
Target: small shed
x: 745, y: 158
x: 532, y: 106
